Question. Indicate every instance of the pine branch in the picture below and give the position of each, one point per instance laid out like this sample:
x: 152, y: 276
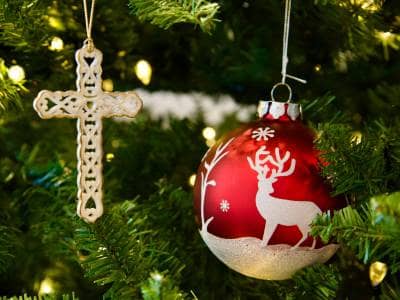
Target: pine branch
x: 117, y: 253
x: 390, y: 290
x: 387, y: 204
x: 22, y: 23
x: 45, y: 297
x: 158, y: 287
x: 371, y: 232
x: 346, y: 159
x: 9, y: 90
x: 166, y: 13
x: 316, y: 282
x: 384, y: 98
x: 320, y: 110
x: 8, y: 243
x: 360, y: 20
x: 368, y: 5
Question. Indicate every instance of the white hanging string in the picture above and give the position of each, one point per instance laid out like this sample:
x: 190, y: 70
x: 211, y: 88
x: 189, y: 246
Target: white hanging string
x: 89, y: 22
x: 285, y: 59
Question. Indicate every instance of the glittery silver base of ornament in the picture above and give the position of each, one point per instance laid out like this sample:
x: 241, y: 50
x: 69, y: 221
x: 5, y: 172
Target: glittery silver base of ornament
x: 273, y: 262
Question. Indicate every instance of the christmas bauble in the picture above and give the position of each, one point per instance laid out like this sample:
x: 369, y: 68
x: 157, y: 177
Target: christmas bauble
x: 256, y: 193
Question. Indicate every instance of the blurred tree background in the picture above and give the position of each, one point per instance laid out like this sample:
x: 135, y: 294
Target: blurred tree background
x: 147, y: 246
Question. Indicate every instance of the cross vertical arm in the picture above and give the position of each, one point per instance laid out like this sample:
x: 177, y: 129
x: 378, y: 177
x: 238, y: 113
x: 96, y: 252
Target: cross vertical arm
x: 90, y: 167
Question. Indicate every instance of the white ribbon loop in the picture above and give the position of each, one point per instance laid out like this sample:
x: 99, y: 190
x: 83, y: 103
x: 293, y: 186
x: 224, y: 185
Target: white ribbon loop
x: 89, y: 24
x: 285, y: 59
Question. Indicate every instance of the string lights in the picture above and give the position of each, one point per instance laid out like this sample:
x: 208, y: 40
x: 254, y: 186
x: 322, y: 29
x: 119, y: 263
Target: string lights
x: 143, y: 71
x: 16, y: 73
x: 56, y: 44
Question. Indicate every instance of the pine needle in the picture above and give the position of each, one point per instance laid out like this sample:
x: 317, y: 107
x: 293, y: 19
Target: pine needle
x: 370, y: 232
x: 166, y: 13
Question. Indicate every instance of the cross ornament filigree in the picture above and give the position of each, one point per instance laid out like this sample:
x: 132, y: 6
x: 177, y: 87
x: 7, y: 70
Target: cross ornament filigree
x: 89, y: 104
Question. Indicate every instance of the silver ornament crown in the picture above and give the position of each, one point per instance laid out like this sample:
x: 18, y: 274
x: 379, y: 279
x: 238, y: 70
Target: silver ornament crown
x: 278, y: 109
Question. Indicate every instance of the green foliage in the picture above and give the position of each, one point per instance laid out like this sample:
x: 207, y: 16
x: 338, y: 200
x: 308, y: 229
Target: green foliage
x: 346, y: 159
x: 155, y: 233
x: 390, y: 290
x: 8, y: 242
x: 384, y: 99
x: 319, y: 110
x: 166, y: 13
x: 316, y: 282
x: 370, y: 232
x: 22, y: 23
x: 45, y: 297
x: 159, y: 158
x: 9, y: 90
x: 160, y: 287
x: 361, y: 19
x: 116, y: 251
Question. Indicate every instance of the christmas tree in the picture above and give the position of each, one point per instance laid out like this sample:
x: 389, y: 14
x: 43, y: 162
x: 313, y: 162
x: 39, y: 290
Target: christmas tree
x: 200, y: 68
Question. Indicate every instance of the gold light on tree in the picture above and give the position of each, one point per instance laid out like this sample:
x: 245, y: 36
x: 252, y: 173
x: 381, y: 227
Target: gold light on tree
x: 143, y: 71
x: 369, y: 5
x: 192, y: 179
x: 56, y: 44
x: 46, y: 287
x: 209, y: 134
x: 388, y: 39
x: 366, y: 5
x: 16, y: 74
x: 377, y: 272
x: 108, y: 85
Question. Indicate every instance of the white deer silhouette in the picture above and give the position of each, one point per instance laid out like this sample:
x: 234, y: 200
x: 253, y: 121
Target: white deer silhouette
x: 277, y: 211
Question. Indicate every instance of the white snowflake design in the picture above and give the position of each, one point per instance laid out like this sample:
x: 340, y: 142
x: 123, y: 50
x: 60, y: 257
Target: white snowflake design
x: 263, y: 133
x: 224, y: 206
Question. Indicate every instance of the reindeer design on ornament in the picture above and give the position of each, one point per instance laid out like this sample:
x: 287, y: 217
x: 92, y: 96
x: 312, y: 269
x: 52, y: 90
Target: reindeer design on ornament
x: 277, y: 211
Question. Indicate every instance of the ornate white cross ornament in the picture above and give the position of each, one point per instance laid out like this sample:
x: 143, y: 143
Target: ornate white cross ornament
x: 89, y: 104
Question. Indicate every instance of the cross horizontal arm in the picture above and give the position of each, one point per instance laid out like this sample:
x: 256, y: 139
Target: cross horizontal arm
x: 58, y: 104
x: 121, y: 104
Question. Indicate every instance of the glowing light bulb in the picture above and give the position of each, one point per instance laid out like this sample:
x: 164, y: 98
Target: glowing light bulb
x: 192, y: 179
x: 209, y: 133
x: 116, y: 143
x: 230, y: 35
x: 385, y: 36
x: 388, y: 39
x: 377, y: 272
x: 143, y: 71
x: 110, y: 157
x: 157, y: 276
x: 56, y: 44
x: 56, y: 23
x: 46, y: 287
x: 368, y: 5
x: 16, y: 73
x: 317, y: 68
x: 108, y: 85
x: 356, y: 137
x: 121, y: 53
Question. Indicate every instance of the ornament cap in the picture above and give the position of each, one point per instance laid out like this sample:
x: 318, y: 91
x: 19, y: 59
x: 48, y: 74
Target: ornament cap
x: 274, y: 110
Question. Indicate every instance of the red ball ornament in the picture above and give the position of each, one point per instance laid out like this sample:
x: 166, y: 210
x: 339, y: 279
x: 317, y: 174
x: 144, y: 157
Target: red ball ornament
x: 256, y: 193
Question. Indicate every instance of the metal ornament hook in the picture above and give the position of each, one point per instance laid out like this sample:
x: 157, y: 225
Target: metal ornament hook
x: 89, y: 44
x: 278, y: 85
